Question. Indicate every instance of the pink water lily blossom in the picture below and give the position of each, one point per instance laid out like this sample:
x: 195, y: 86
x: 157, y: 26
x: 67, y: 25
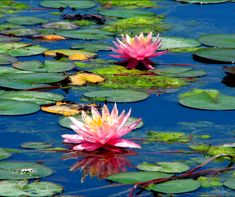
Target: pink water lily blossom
x: 137, y: 50
x: 103, y: 130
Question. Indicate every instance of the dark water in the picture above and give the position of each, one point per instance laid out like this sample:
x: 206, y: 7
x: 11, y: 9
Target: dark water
x: 159, y: 112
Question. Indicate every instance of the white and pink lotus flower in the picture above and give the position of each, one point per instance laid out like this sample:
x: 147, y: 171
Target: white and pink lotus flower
x: 101, y: 130
x: 137, y: 50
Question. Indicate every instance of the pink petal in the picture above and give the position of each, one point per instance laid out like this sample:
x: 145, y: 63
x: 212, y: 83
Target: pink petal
x: 87, y: 146
x: 126, y: 129
x: 75, y: 139
x: 123, y: 143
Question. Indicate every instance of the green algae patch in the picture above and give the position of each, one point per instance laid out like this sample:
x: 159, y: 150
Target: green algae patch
x: 168, y: 137
x: 136, y: 25
x: 127, y: 3
x: 213, y: 150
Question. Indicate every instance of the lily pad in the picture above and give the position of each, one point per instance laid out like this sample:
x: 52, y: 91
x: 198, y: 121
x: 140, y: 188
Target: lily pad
x: 167, y: 167
x: 217, y: 54
x: 6, y: 59
x: 85, y: 34
x: 125, y: 13
x: 66, y: 122
x: 230, y: 183
x: 10, y: 107
x: 27, y: 51
x: 47, y: 66
x: 22, y: 188
x: 93, y: 47
x: 40, y: 98
x: 203, y: 1
x: 219, y: 40
x: 4, y: 154
x: 26, y: 20
x: 119, y: 95
x: 36, y: 145
x: 176, y: 186
x: 23, y: 170
x: 78, y: 4
x: 20, y: 32
x: 8, y: 39
x: 207, y: 100
x: 128, y: 3
x: 210, y: 181
x: 29, y: 80
x: 177, y: 42
x: 174, y: 71
x: 134, y: 177
x: 65, y: 25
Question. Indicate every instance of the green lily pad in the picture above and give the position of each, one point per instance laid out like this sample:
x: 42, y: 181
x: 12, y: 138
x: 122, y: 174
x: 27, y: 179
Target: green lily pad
x: 217, y: 54
x: 128, y: 3
x: 174, y: 71
x: 66, y: 122
x: 4, y: 154
x: 6, y: 59
x: 20, y: 32
x: 134, y: 177
x: 5, y: 47
x: 8, y: 26
x: 219, y: 40
x: 176, y: 186
x: 177, y: 42
x: 36, y: 145
x: 22, y: 188
x: 125, y: 13
x: 29, y: 80
x: 26, y: 20
x: 94, y: 63
x: 65, y: 25
x: 210, y: 181
x: 85, y: 34
x: 207, y: 100
x: 47, y: 66
x: 169, y: 137
x: 230, y: 183
x: 78, y: 4
x: 27, y: 51
x: 10, y: 107
x: 203, y: 1
x: 93, y: 47
x: 40, y: 98
x: 122, y: 95
x: 23, y: 170
x: 167, y: 167
x: 8, y: 39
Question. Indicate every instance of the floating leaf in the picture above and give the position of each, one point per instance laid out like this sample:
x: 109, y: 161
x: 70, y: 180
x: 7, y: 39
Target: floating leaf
x: 26, y: 20
x: 135, y: 177
x: 40, y: 98
x: 19, y: 32
x: 78, y: 4
x: 93, y: 47
x: 217, y: 54
x: 203, y: 1
x: 8, y: 39
x: 219, y: 40
x: 27, y: 51
x: 169, y: 137
x: 23, y: 170
x: 22, y: 188
x: 85, y: 34
x: 209, y: 181
x: 36, y: 145
x: 175, y: 71
x: 4, y: 154
x: 47, y: 66
x: 117, y: 95
x: 68, y: 109
x: 51, y: 37
x: 177, y: 42
x: 29, y: 80
x: 10, y: 107
x: 125, y: 13
x: 207, y: 100
x: 66, y: 122
x: 65, y: 25
x: 176, y: 186
x: 84, y: 78
x: 71, y: 54
x: 230, y: 183
x: 167, y: 167
x: 6, y: 59
x: 128, y: 3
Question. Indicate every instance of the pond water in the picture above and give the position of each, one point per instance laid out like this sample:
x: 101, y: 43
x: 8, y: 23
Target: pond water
x: 160, y: 112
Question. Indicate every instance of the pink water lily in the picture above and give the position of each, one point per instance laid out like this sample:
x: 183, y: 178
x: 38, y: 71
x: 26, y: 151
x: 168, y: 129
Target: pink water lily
x: 137, y: 50
x: 101, y: 130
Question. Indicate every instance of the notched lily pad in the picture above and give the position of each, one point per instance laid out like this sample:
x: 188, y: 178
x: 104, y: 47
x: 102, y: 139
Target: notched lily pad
x: 36, y: 145
x: 26, y: 20
x: 78, y: 4
x: 4, y: 154
x: 218, y: 40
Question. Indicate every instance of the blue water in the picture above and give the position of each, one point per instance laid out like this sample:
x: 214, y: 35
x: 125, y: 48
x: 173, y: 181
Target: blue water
x: 159, y: 112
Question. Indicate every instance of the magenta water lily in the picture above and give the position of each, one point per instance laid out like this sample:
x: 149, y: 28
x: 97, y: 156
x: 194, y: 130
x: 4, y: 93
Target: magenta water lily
x: 101, y: 130
x: 137, y: 50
